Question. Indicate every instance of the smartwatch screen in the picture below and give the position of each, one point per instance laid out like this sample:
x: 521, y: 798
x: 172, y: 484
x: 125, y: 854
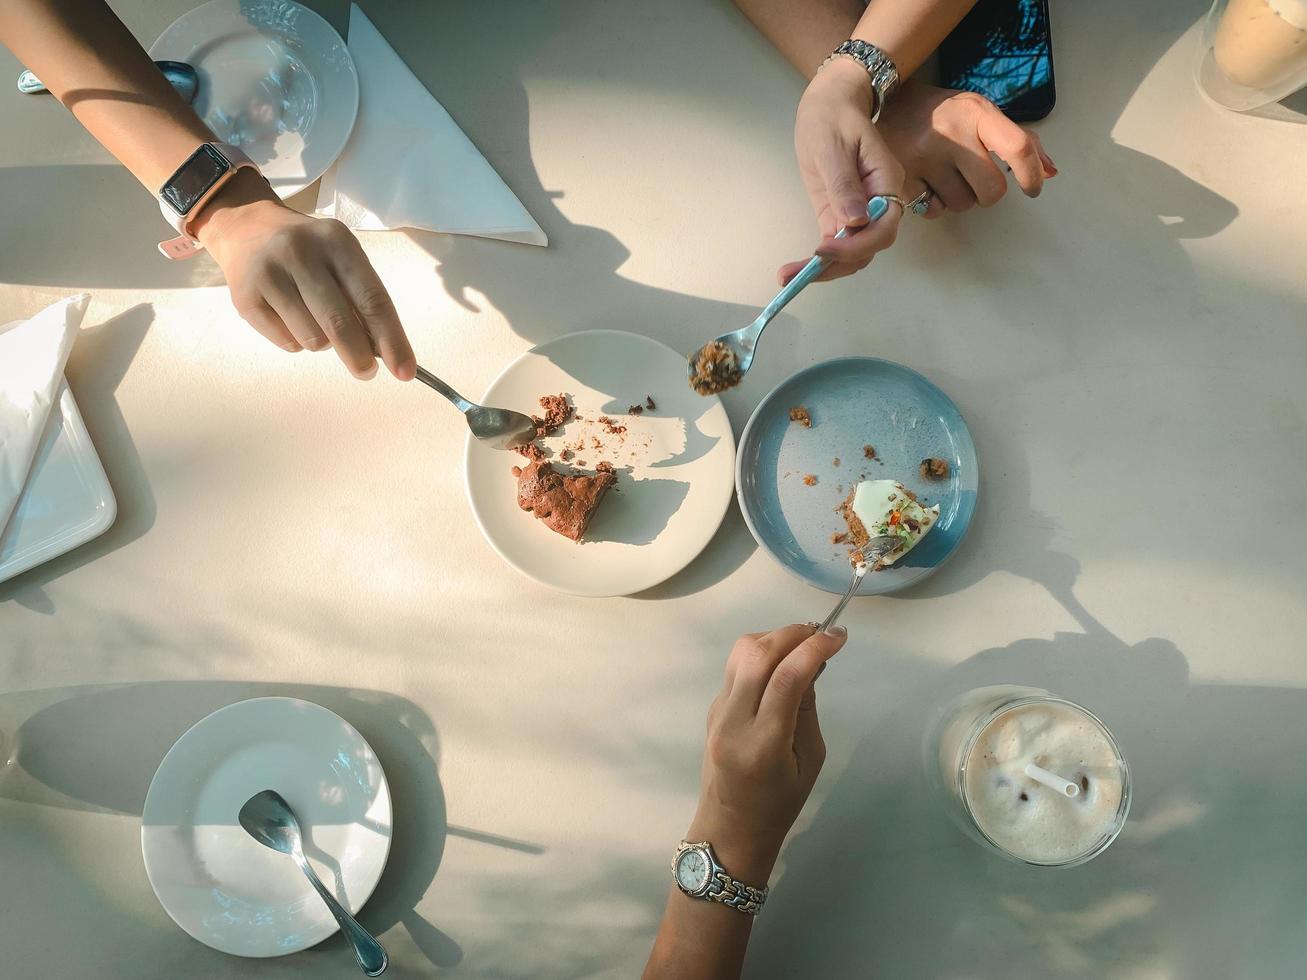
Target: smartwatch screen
x: 185, y: 188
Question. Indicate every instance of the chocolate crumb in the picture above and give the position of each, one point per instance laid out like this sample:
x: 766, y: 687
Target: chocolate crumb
x: 649, y: 403
x: 810, y: 480
x: 800, y: 414
x: 635, y: 409
x: 934, y: 468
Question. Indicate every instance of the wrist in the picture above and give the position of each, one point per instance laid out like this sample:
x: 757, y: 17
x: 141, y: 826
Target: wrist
x: 246, y: 192
x: 747, y: 855
x: 845, y: 80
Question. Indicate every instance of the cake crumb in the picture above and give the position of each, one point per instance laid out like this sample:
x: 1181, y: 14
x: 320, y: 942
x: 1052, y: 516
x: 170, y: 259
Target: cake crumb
x: 517, y: 471
x: 810, y: 480
x: 934, y: 468
x: 649, y: 403
x: 635, y: 410
x: 716, y: 368
x: 835, y: 461
x: 800, y: 414
x: 613, y: 428
x: 869, y: 452
x: 566, y: 454
x: 839, y: 537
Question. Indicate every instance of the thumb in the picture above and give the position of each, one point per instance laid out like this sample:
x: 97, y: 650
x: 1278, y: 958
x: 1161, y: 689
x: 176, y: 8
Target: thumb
x: 839, y: 173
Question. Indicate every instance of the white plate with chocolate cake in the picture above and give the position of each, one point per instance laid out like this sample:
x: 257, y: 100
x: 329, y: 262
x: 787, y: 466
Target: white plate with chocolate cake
x: 629, y: 478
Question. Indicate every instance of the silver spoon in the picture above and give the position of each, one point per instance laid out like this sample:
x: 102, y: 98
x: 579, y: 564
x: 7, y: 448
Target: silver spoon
x: 872, y: 552
x: 180, y: 75
x: 727, y: 359
x: 269, y: 820
x: 497, y: 427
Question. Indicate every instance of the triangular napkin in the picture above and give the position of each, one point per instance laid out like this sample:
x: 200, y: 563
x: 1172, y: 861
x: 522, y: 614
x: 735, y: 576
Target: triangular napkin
x: 408, y: 165
x: 32, y: 358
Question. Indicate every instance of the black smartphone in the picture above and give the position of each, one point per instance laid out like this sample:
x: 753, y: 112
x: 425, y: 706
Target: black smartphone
x: 1003, y: 50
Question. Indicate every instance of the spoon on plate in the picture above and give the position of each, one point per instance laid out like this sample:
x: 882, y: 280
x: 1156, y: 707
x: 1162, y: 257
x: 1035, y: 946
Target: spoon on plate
x: 723, y: 363
x: 269, y: 820
x: 872, y: 552
x: 496, y: 427
x: 180, y: 75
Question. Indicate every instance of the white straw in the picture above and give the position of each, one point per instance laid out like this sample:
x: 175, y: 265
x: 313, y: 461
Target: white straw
x: 1052, y: 780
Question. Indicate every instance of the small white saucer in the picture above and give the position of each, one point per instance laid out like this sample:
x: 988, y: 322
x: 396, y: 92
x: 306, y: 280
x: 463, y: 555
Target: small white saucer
x: 218, y: 883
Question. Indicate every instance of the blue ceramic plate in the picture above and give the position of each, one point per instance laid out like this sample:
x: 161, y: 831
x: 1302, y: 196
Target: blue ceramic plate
x: 853, y: 402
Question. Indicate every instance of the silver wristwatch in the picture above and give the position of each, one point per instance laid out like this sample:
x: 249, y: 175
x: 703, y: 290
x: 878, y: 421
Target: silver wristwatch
x: 884, y: 74
x: 697, y: 872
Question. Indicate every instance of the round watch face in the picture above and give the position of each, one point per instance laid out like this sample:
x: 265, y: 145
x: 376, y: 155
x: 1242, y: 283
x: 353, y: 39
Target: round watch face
x: 693, y: 870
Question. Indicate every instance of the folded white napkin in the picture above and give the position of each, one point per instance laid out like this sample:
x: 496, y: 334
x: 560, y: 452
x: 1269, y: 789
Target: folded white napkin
x: 408, y: 165
x: 32, y: 358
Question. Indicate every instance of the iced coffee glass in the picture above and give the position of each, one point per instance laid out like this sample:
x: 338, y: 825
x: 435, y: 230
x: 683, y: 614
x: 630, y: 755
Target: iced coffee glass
x: 1253, y: 52
x: 1036, y: 778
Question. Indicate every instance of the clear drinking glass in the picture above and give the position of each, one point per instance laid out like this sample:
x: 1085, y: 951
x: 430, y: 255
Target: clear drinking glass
x: 1253, y: 52
x: 980, y: 752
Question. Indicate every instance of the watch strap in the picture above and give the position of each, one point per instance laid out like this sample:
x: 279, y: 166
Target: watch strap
x: 736, y: 894
x: 880, y: 67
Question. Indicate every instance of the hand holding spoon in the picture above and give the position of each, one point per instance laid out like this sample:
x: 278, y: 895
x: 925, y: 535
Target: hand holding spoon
x: 496, y: 427
x: 722, y: 363
x: 269, y: 820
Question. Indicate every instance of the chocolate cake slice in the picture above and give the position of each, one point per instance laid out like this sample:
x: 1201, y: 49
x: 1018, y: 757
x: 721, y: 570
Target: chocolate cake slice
x: 565, y: 503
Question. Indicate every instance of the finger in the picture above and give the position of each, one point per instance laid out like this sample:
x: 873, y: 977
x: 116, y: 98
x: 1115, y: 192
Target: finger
x: 288, y: 305
x: 809, y: 746
x: 836, y: 270
x: 1050, y: 168
x: 861, y: 244
x: 954, y: 193
x: 914, y: 187
x: 1017, y: 147
x: 374, y: 307
x: 263, y: 319
x: 843, y: 182
x: 986, y: 180
x: 755, y: 659
x: 793, y: 676
x: 335, y: 315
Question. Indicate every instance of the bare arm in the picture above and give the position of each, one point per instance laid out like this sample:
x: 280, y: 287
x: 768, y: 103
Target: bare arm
x: 763, y: 753
x: 302, y: 283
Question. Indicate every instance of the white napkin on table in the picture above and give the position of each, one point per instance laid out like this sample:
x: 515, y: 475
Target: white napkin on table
x: 408, y: 165
x: 32, y: 358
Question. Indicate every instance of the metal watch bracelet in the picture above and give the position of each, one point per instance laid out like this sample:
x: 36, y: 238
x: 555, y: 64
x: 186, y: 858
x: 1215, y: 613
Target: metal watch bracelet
x: 736, y: 894
x: 884, y: 74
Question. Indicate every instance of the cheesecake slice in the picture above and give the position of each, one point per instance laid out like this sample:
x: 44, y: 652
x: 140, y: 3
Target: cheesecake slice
x: 875, y: 508
x: 565, y: 503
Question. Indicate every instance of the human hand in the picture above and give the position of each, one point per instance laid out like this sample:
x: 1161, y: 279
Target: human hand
x: 764, y: 747
x: 944, y: 138
x: 302, y: 282
x: 844, y: 162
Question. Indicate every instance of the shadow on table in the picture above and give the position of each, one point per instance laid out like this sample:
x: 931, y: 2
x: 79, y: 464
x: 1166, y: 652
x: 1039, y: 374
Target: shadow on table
x: 882, y: 883
x: 98, y: 364
x: 97, y: 748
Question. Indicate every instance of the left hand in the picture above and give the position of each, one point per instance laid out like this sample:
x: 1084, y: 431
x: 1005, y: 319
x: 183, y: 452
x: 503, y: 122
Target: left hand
x: 844, y: 162
x: 944, y: 138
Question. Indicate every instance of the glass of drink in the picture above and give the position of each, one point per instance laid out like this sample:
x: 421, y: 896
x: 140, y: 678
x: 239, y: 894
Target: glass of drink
x: 1034, y: 777
x: 1253, y: 52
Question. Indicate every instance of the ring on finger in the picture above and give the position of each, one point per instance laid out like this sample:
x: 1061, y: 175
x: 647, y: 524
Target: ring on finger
x: 895, y: 198
x: 920, y: 204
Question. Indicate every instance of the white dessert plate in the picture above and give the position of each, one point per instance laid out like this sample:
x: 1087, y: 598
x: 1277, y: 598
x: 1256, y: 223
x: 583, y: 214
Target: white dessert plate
x: 218, y: 883
x: 675, y: 464
x: 67, y: 500
x: 275, y: 80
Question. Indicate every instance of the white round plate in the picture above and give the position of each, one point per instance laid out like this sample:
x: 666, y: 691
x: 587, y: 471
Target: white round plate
x: 275, y: 80
x: 218, y: 883
x: 676, y: 465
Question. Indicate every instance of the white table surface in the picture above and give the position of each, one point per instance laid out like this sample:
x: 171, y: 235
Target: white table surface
x: 1129, y: 350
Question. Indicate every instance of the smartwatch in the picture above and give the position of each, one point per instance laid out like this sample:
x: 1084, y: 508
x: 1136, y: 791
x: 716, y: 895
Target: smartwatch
x: 699, y: 874
x: 184, y: 195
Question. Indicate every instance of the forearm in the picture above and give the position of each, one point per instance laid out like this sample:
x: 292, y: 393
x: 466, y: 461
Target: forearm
x: 698, y: 941
x: 93, y: 65
x: 907, y: 30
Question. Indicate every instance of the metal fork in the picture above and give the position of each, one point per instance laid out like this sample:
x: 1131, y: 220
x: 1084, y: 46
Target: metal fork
x: 872, y: 552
